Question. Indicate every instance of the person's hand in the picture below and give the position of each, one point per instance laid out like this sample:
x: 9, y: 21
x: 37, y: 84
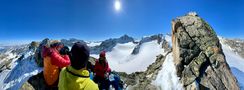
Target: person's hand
x: 64, y: 50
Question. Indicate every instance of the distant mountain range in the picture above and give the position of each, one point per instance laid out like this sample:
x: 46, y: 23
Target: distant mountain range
x: 192, y: 57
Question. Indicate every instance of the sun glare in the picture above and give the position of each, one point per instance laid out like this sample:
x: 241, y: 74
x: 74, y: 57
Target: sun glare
x: 117, y: 5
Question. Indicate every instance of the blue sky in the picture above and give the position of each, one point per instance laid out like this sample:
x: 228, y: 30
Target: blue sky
x: 24, y: 20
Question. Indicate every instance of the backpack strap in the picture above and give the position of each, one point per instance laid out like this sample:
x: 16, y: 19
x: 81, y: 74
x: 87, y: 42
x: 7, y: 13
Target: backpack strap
x: 76, y: 74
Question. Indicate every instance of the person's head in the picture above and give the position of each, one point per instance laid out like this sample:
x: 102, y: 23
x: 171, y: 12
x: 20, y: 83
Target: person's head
x: 80, y: 54
x: 102, y: 56
x: 58, y: 45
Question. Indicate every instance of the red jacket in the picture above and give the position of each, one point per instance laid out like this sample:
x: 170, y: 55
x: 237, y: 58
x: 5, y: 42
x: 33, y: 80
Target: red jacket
x: 100, y: 69
x: 53, y: 61
x: 56, y: 58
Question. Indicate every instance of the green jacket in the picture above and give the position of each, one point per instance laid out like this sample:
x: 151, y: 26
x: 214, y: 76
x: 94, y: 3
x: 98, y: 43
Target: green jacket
x: 72, y: 79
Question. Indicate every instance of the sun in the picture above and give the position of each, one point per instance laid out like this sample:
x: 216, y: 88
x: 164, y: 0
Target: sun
x: 117, y: 5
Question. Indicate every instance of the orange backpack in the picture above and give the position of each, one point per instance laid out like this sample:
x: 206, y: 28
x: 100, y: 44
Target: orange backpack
x: 51, y: 72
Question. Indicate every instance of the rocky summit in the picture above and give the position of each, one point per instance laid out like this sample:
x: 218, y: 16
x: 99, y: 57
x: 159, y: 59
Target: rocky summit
x: 198, y: 55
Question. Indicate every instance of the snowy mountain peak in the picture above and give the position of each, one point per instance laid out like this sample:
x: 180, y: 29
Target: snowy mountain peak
x: 125, y: 38
x: 236, y: 45
x: 158, y: 38
x: 108, y: 44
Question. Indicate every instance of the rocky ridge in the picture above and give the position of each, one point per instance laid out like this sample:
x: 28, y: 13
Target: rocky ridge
x: 198, y: 55
x: 108, y: 44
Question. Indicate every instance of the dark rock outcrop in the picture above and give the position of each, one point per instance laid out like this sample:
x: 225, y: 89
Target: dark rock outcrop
x: 26, y: 86
x: 38, y: 52
x: 108, y: 44
x: 36, y: 82
x: 33, y: 45
x: 198, y: 56
x: 157, y: 37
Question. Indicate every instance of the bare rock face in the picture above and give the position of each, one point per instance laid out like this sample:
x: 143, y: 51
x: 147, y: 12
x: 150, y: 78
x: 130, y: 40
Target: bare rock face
x: 198, y: 56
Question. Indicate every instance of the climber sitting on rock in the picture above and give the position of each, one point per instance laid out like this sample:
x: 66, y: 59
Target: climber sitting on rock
x: 76, y: 76
x: 53, y: 62
x: 101, y: 72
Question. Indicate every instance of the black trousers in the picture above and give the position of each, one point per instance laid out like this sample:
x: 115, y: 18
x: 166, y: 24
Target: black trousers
x: 103, y: 83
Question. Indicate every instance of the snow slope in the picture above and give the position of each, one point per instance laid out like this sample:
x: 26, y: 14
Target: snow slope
x: 120, y: 58
x: 168, y: 39
x: 20, y: 71
x: 167, y: 78
x: 92, y: 44
x: 235, y: 62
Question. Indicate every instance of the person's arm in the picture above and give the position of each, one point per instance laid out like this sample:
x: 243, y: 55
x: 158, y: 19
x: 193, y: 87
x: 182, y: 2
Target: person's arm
x: 108, y: 68
x: 58, y: 60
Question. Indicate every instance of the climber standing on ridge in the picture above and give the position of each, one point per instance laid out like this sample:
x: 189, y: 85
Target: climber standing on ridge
x: 102, y: 71
x: 53, y: 62
x: 76, y: 76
